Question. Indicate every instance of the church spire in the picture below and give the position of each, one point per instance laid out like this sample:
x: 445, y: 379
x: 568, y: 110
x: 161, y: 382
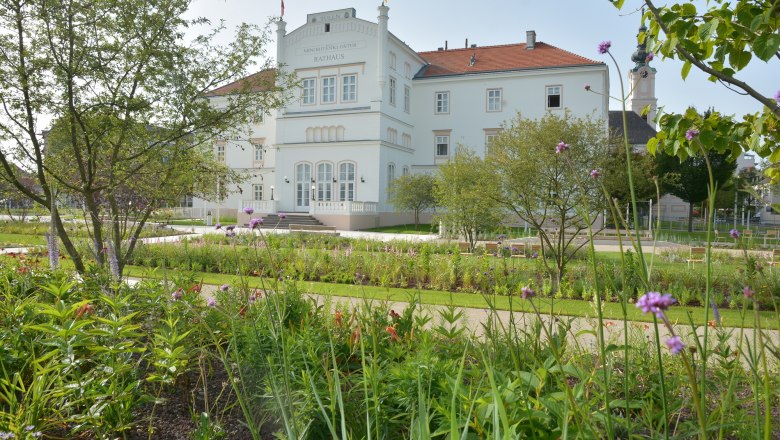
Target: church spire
x: 639, y: 57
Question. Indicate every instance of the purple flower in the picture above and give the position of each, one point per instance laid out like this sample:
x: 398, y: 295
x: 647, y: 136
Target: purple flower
x: 7, y: 435
x: 177, y: 295
x: 249, y: 210
x: 218, y: 226
x: 587, y: 87
x: 649, y: 57
x: 675, y: 344
x: 561, y: 147
x: 595, y: 174
x: 224, y: 287
x: 692, y: 133
x: 255, y: 223
x: 282, y: 216
x: 748, y: 292
x: 526, y: 292
x: 604, y: 46
x: 734, y: 234
x: 230, y: 228
x: 211, y: 302
x: 655, y: 302
x: 777, y: 96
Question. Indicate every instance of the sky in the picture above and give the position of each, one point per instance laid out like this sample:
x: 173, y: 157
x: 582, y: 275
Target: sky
x: 574, y: 25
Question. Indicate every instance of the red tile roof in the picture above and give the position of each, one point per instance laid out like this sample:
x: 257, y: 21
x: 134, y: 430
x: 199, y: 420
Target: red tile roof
x: 499, y: 58
x: 262, y: 80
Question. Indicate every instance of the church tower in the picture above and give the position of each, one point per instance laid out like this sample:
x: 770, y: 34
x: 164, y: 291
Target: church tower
x: 641, y: 77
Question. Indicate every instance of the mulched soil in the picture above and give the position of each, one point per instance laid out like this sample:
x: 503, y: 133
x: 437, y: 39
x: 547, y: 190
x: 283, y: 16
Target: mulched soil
x: 178, y: 417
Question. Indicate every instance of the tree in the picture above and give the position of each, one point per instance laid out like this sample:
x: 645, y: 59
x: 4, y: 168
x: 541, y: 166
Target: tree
x: 127, y: 94
x: 721, y: 41
x: 412, y: 192
x: 15, y: 203
x: 688, y: 179
x: 461, y: 187
x: 550, y: 189
x: 615, y: 174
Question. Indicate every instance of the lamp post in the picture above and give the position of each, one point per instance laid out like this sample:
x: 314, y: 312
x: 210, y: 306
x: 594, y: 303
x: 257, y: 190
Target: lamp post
x: 272, y: 192
x: 313, y: 188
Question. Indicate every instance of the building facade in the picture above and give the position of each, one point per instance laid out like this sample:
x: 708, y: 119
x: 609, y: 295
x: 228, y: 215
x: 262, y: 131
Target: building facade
x: 370, y: 109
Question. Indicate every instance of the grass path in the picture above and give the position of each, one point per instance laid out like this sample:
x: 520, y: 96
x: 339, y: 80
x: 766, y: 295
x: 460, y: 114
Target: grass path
x: 559, y: 307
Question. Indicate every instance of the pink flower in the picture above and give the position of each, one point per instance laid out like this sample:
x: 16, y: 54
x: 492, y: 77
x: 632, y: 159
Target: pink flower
x: 734, y: 234
x: 595, y: 174
x: 604, y: 46
x: 211, y: 302
x: 282, y: 215
x: 675, y: 344
x: 777, y: 96
x: 649, y: 57
x: 526, y: 292
x: 177, y: 295
x: 692, y: 133
x: 655, y: 302
x: 561, y: 147
x: 748, y: 292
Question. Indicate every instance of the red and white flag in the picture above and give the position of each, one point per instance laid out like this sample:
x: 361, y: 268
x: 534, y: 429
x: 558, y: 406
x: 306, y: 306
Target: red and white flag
x: 282, y: 8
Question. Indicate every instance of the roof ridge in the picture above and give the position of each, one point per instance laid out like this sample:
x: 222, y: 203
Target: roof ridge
x: 572, y: 53
x: 479, y: 47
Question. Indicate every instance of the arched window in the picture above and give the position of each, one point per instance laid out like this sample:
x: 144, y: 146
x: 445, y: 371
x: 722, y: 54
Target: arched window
x: 302, y: 182
x: 346, y: 181
x: 325, y: 181
x: 390, y: 173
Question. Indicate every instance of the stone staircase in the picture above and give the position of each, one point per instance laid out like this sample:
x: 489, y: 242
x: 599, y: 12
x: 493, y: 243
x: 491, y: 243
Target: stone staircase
x: 272, y: 221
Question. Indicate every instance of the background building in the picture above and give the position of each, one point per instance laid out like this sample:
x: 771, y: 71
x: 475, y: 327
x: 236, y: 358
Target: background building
x: 370, y: 109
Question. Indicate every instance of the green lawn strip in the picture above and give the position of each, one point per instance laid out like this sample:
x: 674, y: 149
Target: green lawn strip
x: 565, y: 307
x: 21, y: 240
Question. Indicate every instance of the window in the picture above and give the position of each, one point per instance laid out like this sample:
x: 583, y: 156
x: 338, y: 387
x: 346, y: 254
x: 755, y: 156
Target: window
x: 325, y: 181
x: 390, y: 173
x: 491, y: 134
x: 442, y: 102
x: 494, y: 100
x: 406, y: 140
x: 392, y: 91
x: 327, y: 27
x: 220, y: 151
x: 349, y: 88
x: 408, y: 70
x: 185, y: 202
x: 553, y: 96
x: 392, y: 135
x: 329, y: 89
x: 302, y: 182
x: 405, y: 171
x: 442, y: 142
x: 392, y: 60
x: 257, y: 191
x: 258, y: 154
x: 407, y: 98
x: 347, y: 182
x: 309, y: 91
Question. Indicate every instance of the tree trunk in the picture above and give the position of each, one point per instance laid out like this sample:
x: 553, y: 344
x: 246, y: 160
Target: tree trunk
x: 690, y: 217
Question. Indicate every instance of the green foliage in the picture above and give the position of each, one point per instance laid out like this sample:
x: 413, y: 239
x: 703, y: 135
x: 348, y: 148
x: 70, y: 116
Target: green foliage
x: 552, y: 192
x: 126, y: 91
x: 463, y: 188
x: 720, y: 40
x: 412, y: 192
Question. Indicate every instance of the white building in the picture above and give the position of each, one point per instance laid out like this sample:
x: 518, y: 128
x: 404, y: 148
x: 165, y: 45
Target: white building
x: 371, y: 108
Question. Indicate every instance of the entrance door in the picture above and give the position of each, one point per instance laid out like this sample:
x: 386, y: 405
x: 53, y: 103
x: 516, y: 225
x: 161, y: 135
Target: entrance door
x: 302, y: 190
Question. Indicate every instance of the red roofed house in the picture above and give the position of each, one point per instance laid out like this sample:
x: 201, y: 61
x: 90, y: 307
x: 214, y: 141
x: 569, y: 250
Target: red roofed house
x: 370, y: 108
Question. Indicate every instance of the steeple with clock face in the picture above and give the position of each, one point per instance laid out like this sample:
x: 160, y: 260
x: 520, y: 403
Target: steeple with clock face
x: 642, y: 80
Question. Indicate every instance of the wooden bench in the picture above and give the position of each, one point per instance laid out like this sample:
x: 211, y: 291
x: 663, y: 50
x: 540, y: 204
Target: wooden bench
x: 322, y: 229
x: 770, y: 234
x: 517, y: 251
x: 465, y: 248
x: 696, y: 256
x: 491, y: 248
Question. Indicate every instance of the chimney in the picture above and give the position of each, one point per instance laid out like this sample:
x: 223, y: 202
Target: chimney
x: 445, y: 44
x: 473, y: 46
x: 530, y: 40
x: 467, y: 43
